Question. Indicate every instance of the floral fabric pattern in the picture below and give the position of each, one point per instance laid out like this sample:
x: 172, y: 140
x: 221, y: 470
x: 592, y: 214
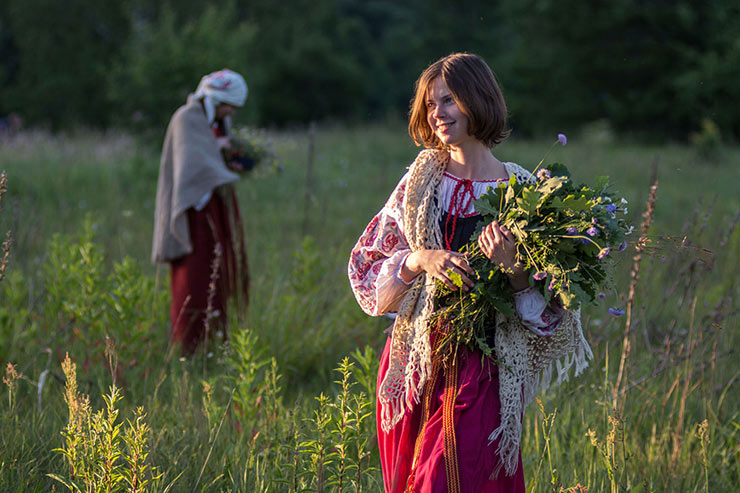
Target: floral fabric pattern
x: 377, y: 257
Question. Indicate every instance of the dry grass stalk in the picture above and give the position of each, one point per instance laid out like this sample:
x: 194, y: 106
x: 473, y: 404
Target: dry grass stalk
x: 211, y: 312
x: 6, y: 255
x: 11, y: 380
x: 634, y: 277
x: 3, y: 187
x: 9, y: 240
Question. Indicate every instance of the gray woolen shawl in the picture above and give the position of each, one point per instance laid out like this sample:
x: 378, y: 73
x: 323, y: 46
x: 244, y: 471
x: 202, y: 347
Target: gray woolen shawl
x: 191, y: 166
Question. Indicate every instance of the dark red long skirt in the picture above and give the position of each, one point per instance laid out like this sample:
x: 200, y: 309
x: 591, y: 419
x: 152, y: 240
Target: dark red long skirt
x: 476, y: 415
x: 191, y: 277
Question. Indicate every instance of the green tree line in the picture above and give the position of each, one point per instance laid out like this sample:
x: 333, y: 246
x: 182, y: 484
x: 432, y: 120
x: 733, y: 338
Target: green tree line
x: 656, y: 68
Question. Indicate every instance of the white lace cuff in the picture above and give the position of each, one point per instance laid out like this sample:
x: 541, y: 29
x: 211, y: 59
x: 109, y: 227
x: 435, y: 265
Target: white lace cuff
x: 390, y: 286
x: 536, y: 314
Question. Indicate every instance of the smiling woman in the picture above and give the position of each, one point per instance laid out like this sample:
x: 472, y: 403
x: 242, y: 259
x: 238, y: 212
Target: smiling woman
x: 482, y: 103
x: 451, y: 420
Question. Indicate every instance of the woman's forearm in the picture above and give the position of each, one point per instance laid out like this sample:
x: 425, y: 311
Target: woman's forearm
x: 519, y: 280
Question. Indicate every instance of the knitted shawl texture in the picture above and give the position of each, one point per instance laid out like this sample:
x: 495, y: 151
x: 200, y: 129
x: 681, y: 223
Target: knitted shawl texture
x: 527, y: 360
x: 191, y: 166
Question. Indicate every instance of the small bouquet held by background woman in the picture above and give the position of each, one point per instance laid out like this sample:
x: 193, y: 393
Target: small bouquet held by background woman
x: 565, y: 234
x: 248, y: 152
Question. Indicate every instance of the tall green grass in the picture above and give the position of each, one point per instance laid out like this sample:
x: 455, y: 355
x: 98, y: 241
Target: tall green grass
x: 268, y: 412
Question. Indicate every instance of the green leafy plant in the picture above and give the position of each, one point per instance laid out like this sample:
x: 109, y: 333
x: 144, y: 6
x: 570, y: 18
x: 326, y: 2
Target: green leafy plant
x: 100, y: 457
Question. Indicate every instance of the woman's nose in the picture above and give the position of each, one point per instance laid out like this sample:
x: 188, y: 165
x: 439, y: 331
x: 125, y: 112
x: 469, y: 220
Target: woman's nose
x: 437, y: 112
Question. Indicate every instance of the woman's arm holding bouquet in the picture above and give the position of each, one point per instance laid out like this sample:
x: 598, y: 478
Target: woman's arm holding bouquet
x: 499, y: 245
x: 377, y: 258
x: 440, y: 264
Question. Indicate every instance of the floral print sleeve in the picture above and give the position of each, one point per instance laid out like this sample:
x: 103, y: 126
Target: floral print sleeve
x: 377, y: 257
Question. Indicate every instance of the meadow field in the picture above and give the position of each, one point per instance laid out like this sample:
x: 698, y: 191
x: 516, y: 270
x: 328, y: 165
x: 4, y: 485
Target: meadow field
x: 288, y: 404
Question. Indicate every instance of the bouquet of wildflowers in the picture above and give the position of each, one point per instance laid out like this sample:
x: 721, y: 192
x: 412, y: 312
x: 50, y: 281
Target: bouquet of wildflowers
x: 249, y: 152
x: 565, y: 233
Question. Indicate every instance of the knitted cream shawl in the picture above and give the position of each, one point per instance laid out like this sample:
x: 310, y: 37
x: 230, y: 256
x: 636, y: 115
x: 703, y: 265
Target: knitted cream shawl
x: 527, y: 360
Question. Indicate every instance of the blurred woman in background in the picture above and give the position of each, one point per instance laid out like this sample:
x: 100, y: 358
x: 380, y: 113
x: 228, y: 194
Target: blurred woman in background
x: 197, y: 226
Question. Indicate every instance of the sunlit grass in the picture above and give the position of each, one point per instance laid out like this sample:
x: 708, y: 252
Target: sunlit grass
x: 675, y: 428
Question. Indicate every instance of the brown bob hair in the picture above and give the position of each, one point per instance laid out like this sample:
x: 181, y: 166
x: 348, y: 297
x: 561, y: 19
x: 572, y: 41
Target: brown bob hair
x: 473, y: 87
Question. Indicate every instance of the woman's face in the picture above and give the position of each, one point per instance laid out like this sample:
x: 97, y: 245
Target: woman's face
x: 445, y: 117
x: 224, y: 110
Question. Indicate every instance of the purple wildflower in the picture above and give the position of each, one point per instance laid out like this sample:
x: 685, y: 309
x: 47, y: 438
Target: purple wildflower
x: 616, y: 312
x: 623, y: 246
x: 594, y: 220
x: 543, y: 174
x: 539, y: 276
x: 601, y: 296
x: 572, y: 230
x: 611, y: 208
x: 592, y: 231
x: 552, y: 284
x: 603, y: 253
x: 563, y: 139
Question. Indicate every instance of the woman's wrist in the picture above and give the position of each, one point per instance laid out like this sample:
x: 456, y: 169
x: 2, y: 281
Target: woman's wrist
x: 519, y: 279
x: 410, y: 268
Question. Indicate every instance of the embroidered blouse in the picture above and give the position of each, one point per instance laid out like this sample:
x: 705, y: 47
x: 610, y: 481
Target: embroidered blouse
x: 376, y: 260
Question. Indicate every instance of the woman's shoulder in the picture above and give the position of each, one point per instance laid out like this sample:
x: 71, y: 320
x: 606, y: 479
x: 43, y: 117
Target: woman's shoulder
x: 188, y: 111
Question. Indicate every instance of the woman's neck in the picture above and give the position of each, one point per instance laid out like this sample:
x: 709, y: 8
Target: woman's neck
x: 474, y: 161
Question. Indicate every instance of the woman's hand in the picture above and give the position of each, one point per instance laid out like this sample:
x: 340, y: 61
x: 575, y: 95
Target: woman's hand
x: 497, y: 243
x: 236, y: 165
x: 224, y: 144
x: 440, y: 264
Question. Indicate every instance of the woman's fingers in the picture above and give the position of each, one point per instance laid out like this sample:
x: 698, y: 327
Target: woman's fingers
x: 461, y: 262
x: 498, y: 239
x: 498, y: 244
x: 485, y: 241
x: 508, y: 234
x: 448, y: 267
x: 457, y: 265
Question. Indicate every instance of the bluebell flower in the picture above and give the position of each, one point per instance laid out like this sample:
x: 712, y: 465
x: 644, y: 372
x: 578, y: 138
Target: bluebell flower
x: 616, y: 312
x: 611, y: 208
x: 552, y: 284
x: 572, y: 230
x: 539, y: 276
x: 603, y: 253
x: 563, y: 139
x: 592, y: 231
x: 623, y: 246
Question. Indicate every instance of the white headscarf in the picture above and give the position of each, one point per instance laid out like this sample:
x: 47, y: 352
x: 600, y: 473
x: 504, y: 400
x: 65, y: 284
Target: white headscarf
x: 224, y: 86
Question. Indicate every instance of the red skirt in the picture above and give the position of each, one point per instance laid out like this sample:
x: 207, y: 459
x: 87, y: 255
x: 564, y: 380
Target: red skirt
x: 191, y: 276
x: 475, y: 416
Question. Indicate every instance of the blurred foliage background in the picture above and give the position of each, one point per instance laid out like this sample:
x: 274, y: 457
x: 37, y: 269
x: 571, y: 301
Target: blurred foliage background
x: 650, y: 69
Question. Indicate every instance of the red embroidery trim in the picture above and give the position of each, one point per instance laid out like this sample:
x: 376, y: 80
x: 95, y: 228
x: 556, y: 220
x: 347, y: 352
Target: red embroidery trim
x: 462, y: 196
